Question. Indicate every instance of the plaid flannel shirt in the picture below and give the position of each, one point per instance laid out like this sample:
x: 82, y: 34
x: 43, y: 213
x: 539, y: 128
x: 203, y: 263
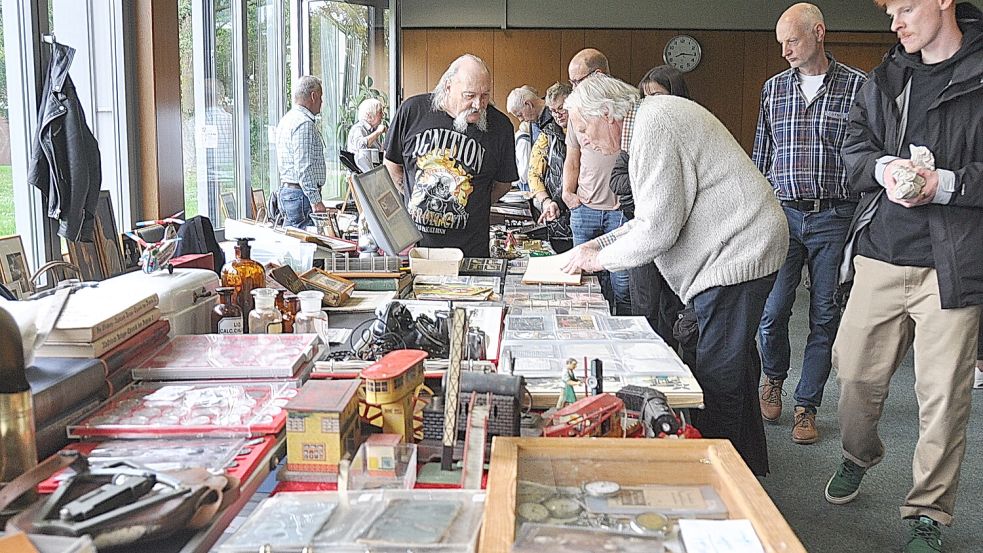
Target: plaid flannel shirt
x: 300, y: 152
x: 797, y: 143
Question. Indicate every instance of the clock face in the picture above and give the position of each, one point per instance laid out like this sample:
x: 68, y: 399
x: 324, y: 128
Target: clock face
x: 682, y: 52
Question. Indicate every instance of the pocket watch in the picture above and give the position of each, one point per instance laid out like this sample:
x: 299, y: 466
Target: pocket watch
x: 602, y: 488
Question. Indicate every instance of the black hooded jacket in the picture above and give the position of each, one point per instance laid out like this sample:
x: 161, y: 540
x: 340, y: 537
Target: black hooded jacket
x: 65, y: 163
x: 954, y: 133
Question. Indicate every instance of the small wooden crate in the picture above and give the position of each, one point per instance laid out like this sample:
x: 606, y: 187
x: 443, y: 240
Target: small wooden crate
x: 574, y: 461
x: 336, y: 290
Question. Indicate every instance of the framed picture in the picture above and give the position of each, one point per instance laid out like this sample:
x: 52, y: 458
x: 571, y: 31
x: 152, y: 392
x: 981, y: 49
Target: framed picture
x: 259, y: 205
x: 110, y: 252
x: 87, y: 257
x: 229, y: 205
x: 13, y: 266
x: 131, y: 254
x: 378, y: 199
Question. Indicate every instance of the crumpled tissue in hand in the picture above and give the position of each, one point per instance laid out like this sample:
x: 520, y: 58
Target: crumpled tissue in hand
x: 909, y: 183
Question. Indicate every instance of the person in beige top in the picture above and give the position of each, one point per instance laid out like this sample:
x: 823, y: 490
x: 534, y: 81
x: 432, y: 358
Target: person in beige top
x: 594, y: 208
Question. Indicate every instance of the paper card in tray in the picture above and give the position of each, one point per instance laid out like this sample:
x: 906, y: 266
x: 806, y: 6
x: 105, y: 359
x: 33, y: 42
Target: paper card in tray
x: 549, y: 270
x: 189, y: 409
x: 229, y: 356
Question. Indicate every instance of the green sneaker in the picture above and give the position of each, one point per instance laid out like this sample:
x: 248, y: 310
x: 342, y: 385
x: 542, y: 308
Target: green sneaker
x: 924, y: 536
x: 844, y: 486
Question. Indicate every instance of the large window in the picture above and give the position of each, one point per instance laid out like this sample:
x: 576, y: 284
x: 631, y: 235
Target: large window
x: 236, y: 72
x: 7, y: 220
x: 350, y: 48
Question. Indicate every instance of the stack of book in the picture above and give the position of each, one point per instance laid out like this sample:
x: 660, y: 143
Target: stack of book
x: 96, y: 320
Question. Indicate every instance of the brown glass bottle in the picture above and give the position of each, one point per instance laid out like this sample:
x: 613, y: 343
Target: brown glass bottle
x: 226, y: 315
x: 243, y: 275
x: 291, y: 304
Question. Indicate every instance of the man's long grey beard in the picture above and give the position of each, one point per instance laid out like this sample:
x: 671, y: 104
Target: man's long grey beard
x: 461, y: 121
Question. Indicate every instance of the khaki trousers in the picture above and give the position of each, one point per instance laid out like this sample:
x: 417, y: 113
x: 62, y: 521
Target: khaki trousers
x: 890, y: 309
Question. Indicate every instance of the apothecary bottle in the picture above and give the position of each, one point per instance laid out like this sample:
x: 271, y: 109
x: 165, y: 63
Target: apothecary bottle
x: 265, y: 318
x: 226, y: 315
x: 291, y: 306
x: 310, y: 312
x: 243, y: 275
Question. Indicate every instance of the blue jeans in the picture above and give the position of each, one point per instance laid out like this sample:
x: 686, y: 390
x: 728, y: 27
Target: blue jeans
x: 295, y: 207
x: 588, y: 223
x: 815, y: 239
x: 728, y: 367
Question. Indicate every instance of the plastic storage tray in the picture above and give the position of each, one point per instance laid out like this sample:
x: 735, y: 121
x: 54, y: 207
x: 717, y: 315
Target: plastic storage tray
x: 157, y: 410
x: 387, y: 521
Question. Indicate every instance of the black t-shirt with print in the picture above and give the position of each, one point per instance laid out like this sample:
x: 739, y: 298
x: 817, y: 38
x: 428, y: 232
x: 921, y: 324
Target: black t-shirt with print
x: 450, y: 175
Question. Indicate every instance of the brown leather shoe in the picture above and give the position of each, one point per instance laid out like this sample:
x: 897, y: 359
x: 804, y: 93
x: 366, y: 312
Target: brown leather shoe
x: 804, y: 430
x: 771, y: 399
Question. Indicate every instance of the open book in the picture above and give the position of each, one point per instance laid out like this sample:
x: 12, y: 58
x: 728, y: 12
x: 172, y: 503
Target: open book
x: 549, y: 270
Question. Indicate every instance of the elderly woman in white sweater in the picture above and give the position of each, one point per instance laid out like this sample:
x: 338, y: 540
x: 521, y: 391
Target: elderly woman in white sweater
x: 710, y: 222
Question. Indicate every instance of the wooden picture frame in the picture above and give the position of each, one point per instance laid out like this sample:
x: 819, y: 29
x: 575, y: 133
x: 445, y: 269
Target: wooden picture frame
x: 259, y: 205
x: 110, y: 251
x: 230, y: 205
x: 13, y: 266
x: 86, y: 256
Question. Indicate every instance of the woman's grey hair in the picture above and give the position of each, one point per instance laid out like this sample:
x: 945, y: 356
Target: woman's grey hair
x: 519, y: 96
x: 557, y: 90
x: 440, y: 91
x: 600, y: 95
x: 305, y: 86
x: 369, y: 106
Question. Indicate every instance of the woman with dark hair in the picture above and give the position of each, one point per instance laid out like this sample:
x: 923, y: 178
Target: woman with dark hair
x: 663, y: 79
x: 650, y: 294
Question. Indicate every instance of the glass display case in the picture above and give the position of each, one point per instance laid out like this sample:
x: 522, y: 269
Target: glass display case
x: 572, y: 494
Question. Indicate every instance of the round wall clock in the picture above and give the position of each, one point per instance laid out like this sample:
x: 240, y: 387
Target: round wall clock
x: 682, y: 52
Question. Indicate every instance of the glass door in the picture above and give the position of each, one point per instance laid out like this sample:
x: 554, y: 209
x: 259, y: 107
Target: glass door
x: 352, y: 46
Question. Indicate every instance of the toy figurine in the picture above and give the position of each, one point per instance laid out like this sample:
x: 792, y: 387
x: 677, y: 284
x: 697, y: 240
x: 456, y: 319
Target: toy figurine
x: 569, y: 381
x: 157, y: 255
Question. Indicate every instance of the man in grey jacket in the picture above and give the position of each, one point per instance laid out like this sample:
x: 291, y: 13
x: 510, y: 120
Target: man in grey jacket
x: 689, y: 176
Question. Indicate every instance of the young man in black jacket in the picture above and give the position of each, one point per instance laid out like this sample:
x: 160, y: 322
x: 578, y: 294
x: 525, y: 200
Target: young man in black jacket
x: 918, y: 260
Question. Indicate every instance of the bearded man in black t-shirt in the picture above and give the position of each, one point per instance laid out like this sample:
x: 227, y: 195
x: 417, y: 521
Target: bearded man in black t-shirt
x: 452, y: 155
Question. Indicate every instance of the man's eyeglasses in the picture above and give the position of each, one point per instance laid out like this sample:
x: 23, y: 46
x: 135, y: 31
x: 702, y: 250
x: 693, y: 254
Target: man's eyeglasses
x: 575, y: 82
x: 557, y: 112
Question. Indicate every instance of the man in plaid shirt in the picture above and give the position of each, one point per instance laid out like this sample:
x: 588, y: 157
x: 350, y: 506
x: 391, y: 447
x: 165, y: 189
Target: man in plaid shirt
x: 801, y: 126
x: 300, y: 155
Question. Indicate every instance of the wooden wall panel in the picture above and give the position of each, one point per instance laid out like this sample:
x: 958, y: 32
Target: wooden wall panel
x: 727, y: 82
x: 616, y: 45
x: 414, y: 63
x: 525, y: 58
x: 571, y: 42
x: 444, y: 46
x: 861, y: 50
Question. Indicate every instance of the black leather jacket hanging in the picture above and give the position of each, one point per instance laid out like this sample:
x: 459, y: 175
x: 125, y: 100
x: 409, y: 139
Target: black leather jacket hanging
x: 65, y: 163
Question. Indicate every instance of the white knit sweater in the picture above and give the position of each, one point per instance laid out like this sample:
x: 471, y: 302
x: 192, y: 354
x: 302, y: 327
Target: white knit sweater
x: 703, y: 211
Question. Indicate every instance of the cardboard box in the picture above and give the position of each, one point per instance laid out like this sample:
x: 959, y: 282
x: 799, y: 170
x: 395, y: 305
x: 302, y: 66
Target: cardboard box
x: 435, y: 261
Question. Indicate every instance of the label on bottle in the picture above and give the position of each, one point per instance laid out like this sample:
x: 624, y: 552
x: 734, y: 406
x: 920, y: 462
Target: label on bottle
x: 230, y: 325
x: 274, y: 328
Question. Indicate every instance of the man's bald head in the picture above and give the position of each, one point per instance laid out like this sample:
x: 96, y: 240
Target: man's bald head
x: 801, y: 32
x: 464, y: 91
x: 803, y: 15
x: 587, y: 62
